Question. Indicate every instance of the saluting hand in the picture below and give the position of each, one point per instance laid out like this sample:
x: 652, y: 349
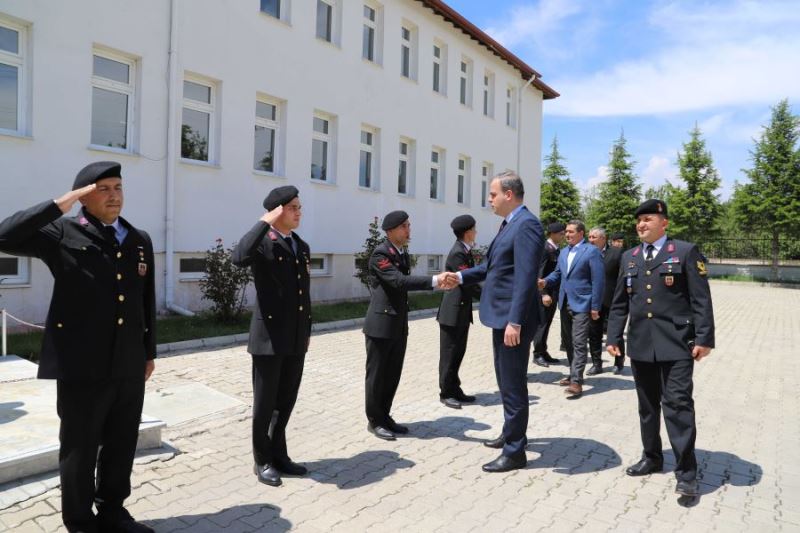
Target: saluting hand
x: 271, y: 216
x: 698, y: 352
x: 66, y: 202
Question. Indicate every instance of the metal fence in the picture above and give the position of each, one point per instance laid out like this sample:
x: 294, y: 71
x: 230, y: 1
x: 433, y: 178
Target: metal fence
x: 754, y: 251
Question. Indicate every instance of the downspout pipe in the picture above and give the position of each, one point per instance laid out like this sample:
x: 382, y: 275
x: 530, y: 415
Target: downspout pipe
x: 172, y: 155
x: 519, y: 118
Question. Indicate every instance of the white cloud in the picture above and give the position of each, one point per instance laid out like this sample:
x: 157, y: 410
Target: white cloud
x: 658, y: 172
x: 714, y: 56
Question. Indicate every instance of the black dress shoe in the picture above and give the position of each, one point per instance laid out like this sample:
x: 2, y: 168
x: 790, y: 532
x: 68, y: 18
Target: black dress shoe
x: 289, y: 467
x: 452, y: 403
x: 644, y: 467
x: 505, y: 463
x: 539, y: 361
x: 465, y: 398
x: 119, y: 520
x: 381, y: 432
x: 617, y: 370
x: 687, y: 488
x: 497, y: 443
x: 268, y: 475
x: 596, y: 369
x: 550, y: 359
x: 396, y: 428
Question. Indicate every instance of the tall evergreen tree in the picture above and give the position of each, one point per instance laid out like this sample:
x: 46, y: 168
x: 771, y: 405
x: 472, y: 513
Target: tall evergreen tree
x: 560, y: 198
x: 694, y: 211
x: 619, y: 195
x: 770, y: 202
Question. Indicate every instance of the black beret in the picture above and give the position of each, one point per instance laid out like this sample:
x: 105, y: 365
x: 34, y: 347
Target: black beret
x: 462, y: 223
x: 556, y: 227
x: 280, y: 196
x: 651, y: 207
x: 394, y: 219
x: 618, y: 236
x: 94, y: 172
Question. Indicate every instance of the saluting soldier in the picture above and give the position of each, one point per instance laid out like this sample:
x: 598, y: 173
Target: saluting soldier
x: 455, y: 315
x: 386, y: 323
x: 99, y: 339
x: 663, y: 288
x: 280, y: 328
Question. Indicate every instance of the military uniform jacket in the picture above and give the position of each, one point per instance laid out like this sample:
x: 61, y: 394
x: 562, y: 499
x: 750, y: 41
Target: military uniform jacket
x: 668, y: 300
x: 549, y: 263
x: 281, y: 322
x: 101, y: 321
x: 456, y: 307
x: 387, y: 315
x: 611, y: 260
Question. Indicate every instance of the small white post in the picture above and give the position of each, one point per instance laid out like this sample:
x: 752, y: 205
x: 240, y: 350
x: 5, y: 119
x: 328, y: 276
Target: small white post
x: 3, y: 327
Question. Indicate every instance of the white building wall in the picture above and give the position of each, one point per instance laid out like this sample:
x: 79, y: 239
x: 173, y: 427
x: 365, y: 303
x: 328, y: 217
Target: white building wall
x: 248, y: 53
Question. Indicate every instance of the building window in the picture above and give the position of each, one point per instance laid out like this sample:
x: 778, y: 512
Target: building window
x: 462, y: 188
x: 113, y: 85
x: 408, y: 51
x: 486, y: 173
x: 440, y: 68
x: 266, y: 136
x: 367, y: 167
x: 465, y: 82
x: 197, y: 129
x: 368, y: 38
x: 437, y: 173
x: 320, y: 265
x: 191, y: 268
x: 271, y: 7
x: 321, y: 148
x: 510, y: 106
x: 14, y: 270
x: 434, y: 264
x: 405, y: 171
x: 488, y: 94
x: 12, y: 78
x: 325, y: 13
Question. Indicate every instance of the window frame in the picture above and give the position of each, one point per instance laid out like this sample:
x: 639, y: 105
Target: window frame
x: 465, y: 81
x: 21, y: 63
x: 409, y: 158
x: 511, y: 107
x: 439, y: 75
x: 377, y: 32
x: 328, y: 138
x: 128, y: 89
x: 438, y: 166
x: 23, y: 277
x: 410, y: 44
x: 488, y: 94
x: 327, y: 263
x: 373, y: 151
x: 284, y: 11
x: 463, y: 180
x: 202, y: 107
x: 277, y: 140
x: 437, y: 260
x: 487, y: 169
x: 190, y: 275
x: 334, y: 22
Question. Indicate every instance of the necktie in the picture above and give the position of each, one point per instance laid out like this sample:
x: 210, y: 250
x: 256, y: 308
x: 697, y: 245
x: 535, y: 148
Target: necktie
x: 290, y: 243
x: 111, y: 234
x: 650, y: 249
x: 503, y: 225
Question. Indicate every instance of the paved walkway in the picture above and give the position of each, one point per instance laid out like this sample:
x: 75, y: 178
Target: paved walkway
x: 748, y: 444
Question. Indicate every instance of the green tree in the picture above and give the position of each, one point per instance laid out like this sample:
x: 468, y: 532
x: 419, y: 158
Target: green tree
x: 618, y: 196
x: 770, y: 202
x: 374, y: 238
x: 694, y: 211
x: 560, y: 198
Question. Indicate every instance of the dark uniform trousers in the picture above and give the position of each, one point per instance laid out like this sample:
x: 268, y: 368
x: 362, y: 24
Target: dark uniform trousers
x: 452, y: 347
x: 99, y: 333
x: 549, y: 263
x: 386, y: 328
x: 279, y: 332
x: 540, y: 339
x: 597, y: 329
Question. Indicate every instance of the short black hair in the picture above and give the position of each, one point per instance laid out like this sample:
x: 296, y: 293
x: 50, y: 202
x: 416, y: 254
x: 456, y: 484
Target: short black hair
x: 579, y: 225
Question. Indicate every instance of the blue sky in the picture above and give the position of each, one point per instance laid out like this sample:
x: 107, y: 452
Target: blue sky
x: 652, y: 69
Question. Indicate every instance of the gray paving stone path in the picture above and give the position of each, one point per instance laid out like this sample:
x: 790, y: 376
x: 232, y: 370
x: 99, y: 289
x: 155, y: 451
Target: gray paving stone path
x: 748, y: 444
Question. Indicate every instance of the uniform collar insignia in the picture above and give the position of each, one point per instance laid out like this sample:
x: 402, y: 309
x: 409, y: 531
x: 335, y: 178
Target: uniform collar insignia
x: 671, y: 247
x: 636, y: 251
x: 273, y: 235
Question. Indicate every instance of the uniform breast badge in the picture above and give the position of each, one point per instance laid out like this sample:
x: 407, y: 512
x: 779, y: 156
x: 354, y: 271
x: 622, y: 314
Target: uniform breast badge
x: 669, y: 281
x: 142, y: 269
x: 701, y: 268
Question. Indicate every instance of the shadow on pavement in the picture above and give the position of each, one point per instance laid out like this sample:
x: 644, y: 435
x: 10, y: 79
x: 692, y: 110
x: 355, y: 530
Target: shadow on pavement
x: 488, y: 399
x: 454, y: 427
x: 252, y: 517
x: 362, y: 469
x: 600, y: 384
x: 572, y: 455
x: 10, y: 411
x: 715, y: 470
x: 547, y: 376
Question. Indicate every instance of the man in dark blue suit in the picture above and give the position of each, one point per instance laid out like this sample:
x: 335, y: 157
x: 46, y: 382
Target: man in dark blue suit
x: 510, y: 307
x: 581, y: 273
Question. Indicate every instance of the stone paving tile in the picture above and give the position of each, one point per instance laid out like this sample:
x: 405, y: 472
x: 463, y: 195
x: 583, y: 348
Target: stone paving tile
x: 431, y: 480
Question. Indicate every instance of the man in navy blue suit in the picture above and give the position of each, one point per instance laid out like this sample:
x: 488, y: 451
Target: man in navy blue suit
x: 581, y: 273
x: 510, y: 307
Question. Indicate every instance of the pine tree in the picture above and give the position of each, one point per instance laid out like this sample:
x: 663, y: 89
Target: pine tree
x: 560, y: 198
x: 374, y: 238
x: 770, y: 202
x: 618, y: 196
x: 694, y: 211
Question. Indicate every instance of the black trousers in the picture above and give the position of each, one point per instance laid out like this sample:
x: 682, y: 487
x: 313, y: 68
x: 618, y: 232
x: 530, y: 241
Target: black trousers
x: 540, y: 338
x: 511, y: 371
x: 452, y: 346
x: 96, y: 414
x: 596, y: 332
x: 384, y: 366
x: 276, y: 380
x: 667, y: 386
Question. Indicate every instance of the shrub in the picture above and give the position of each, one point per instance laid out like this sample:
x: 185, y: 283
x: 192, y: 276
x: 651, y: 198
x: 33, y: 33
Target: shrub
x: 224, y: 284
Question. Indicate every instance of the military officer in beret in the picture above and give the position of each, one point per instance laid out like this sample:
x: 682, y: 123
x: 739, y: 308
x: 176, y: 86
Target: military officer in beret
x: 663, y: 289
x: 548, y: 295
x: 280, y: 328
x: 99, y: 339
x: 386, y: 323
x: 617, y: 239
x: 455, y: 315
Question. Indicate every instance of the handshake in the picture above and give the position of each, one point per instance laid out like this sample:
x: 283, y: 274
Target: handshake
x: 447, y: 280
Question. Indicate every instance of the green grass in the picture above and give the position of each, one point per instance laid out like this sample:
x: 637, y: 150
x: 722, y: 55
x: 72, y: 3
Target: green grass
x: 182, y: 328
x: 753, y: 279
